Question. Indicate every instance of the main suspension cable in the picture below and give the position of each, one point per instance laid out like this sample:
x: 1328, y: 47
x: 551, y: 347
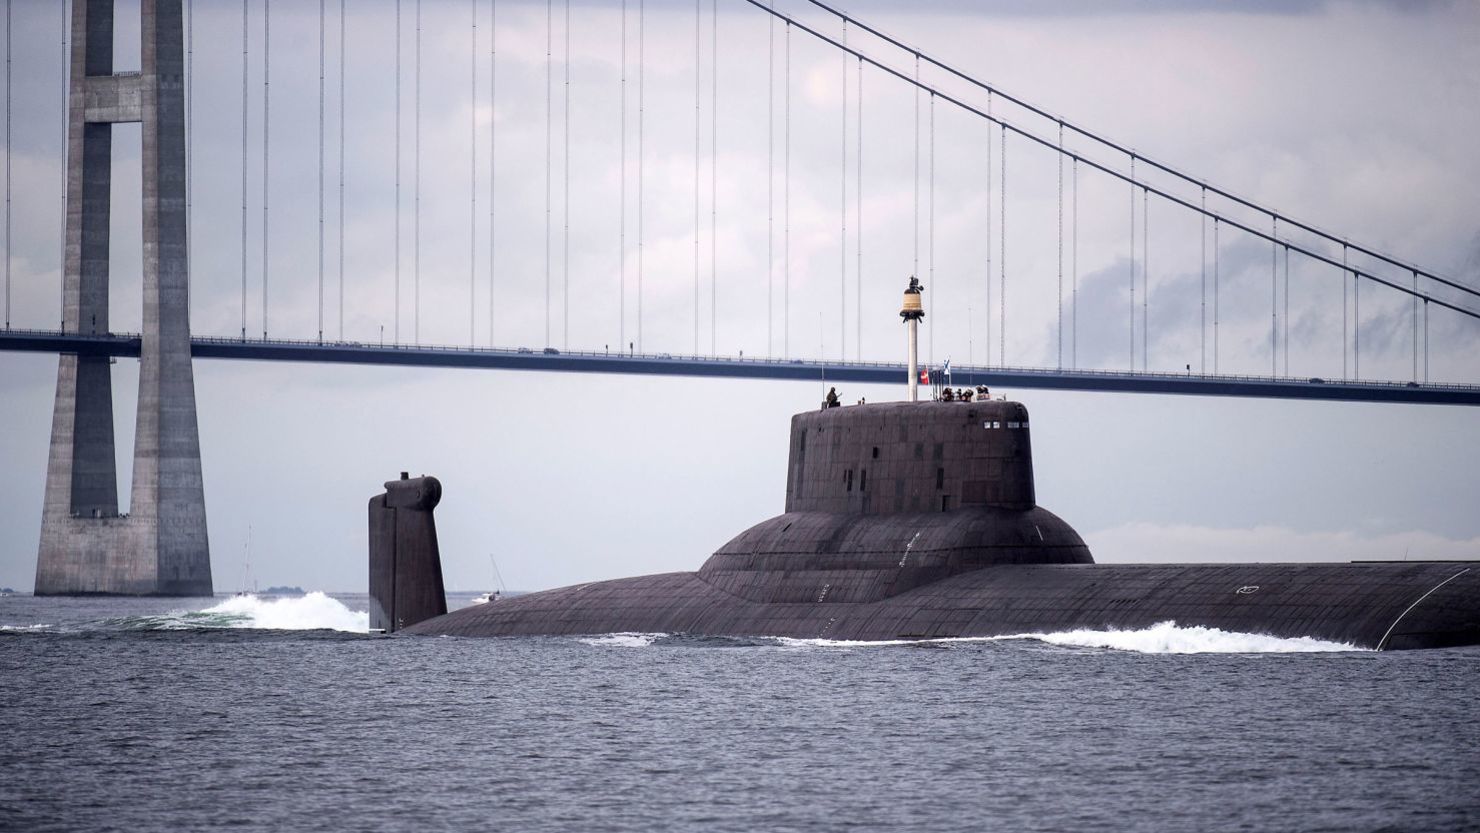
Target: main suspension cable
x: 1113, y: 173
x: 1126, y: 150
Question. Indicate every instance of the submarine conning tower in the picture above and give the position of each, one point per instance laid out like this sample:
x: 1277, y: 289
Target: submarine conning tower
x: 907, y: 457
x: 885, y: 499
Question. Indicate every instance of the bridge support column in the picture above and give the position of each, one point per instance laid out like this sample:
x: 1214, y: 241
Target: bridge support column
x: 87, y: 546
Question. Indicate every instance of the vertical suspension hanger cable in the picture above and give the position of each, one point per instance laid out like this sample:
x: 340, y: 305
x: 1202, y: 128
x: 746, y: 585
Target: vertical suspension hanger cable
x: 8, y: 246
x: 989, y: 231
x: 189, y: 153
x: 416, y: 185
x: 786, y: 206
x: 916, y: 263
x: 622, y: 198
x: 1145, y: 278
x: 1356, y: 324
x: 1202, y: 233
x: 245, y: 31
x: 1060, y: 329
x: 770, y: 183
x: 1346, y: 305
x: 858, y: 197
x: 1274, y: 296
x: 1286, y: 344
x: 1133, y: 263
x: 549, y: 145
x: 66, y: 78
x: 698, y: 111
x: 493, y: 159
x: 266, y: 144
x: 321, y: 171
x: 1002, y: 252
x: 473, y: 177
x: 1215, y: 295
x: 843, y: 212
x: 1425, y: 341
x: 342, y: 48
x: 396, y: 329
x: 713, y: 177
x: 565, y: 198
x: 1074, y: 265
x: 930, y: 326
x: 1287, y: 311
x: 641, y: 119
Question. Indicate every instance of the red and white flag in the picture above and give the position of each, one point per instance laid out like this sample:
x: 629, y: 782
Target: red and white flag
x: 925, y: 376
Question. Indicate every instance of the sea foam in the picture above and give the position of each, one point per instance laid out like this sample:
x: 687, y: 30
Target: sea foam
x: 312, y: 611
x: 1162, y: 638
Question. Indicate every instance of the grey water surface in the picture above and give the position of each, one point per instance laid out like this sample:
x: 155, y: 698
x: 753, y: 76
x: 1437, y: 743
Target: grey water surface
x: 123, y: 714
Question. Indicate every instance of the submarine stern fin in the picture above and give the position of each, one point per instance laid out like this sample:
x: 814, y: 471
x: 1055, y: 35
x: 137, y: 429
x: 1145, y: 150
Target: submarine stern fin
x: 405, y: 562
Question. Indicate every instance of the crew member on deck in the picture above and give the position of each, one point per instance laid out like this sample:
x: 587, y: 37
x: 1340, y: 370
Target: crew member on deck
x: 832, y: 398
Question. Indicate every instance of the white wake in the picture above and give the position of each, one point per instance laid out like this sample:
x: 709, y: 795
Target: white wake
x: 623, y: 640
x: 1162, y: 638
x: 311, y: 611
x: 1171, y: 638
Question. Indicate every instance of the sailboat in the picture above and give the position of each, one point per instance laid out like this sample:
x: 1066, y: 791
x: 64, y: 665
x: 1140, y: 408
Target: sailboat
x: 491, y: 595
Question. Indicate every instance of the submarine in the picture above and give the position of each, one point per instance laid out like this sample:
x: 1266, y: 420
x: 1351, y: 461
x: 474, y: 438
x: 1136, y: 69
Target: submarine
x: 919, y: 520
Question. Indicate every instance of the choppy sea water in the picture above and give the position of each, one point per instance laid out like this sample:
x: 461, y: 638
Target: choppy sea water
x: 277, y: 714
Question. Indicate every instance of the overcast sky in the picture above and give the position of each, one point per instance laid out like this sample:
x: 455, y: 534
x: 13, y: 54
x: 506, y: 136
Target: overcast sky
x: 1357, y: 117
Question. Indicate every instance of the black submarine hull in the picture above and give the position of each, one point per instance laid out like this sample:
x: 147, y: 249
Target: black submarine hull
x: 1378, y: 606
x: 920, y: 521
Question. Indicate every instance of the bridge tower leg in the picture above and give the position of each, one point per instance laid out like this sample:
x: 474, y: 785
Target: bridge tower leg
x: 87, y: 546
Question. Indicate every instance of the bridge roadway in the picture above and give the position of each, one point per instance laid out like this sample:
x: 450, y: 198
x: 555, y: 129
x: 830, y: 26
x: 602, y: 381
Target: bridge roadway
x: 664, y: 364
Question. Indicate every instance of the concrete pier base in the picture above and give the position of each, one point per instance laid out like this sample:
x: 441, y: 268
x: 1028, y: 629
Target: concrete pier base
x: 159, y: 546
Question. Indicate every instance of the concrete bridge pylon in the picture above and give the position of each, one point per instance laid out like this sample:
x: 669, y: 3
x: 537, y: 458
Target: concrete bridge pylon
x: 159, y: 546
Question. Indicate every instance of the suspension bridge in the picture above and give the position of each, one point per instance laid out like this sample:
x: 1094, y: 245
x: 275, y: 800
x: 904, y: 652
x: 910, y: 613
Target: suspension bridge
x: 1021, y: 295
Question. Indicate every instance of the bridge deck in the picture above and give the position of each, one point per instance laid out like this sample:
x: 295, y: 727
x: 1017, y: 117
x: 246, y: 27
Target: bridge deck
x: 664, y: 364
